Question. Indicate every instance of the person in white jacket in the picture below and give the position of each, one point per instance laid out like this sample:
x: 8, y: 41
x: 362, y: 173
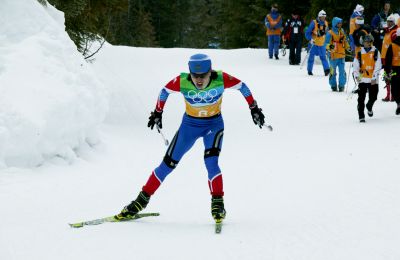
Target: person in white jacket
x: 367, y: 65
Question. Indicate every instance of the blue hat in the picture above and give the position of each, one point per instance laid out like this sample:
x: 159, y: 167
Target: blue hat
x: 199, y: 63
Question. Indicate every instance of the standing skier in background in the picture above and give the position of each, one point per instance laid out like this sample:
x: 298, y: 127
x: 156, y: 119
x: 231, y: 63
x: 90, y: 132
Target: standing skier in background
x: 293, y: 34
x: 337, y: 44
x: 202, y: 90
x: 367, y: 65
x: 357, y: 13
x: 393, y: 67
x: 378, y: 25
x: 390, y: 29
x: 315, y: 33
x: 361, y: 30
x: 273, y: 23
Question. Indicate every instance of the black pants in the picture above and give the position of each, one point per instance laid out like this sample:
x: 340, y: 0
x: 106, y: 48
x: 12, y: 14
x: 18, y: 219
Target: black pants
x: 295, y: 50
x: 372, y: 90
x: 395, y: 84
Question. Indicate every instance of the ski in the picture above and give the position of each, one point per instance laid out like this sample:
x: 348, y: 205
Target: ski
x: 218, y: 226
x: 111, y: 219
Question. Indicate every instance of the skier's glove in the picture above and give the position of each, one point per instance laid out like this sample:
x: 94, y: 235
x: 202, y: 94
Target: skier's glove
x: 257, y: 114
x: 155, y: 119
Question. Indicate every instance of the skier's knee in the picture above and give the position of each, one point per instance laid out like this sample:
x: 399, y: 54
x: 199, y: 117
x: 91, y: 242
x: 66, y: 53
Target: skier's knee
x: 211, y: 152
x: 171, y: 163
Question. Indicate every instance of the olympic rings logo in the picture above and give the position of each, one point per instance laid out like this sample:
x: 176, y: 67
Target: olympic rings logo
x: 206, y: 96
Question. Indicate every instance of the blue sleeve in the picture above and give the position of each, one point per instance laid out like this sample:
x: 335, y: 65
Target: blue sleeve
x: 309, y: 31
x: 328, y: 38
x: 267, y: 23
x: 375, y: 22
x: 352, y: 46
x: 279, y: 25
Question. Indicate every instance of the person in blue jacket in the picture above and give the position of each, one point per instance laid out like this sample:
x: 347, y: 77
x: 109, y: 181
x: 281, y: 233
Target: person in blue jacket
x: 273, y: 24
x: 316, y: 33
x: 337, y: 44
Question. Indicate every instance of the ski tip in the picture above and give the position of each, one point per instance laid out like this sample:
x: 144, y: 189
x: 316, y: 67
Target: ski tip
x: 76, y: 225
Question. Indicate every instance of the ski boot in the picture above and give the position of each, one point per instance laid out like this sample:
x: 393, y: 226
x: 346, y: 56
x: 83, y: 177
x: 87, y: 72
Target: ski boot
x: 341, y: 88
x: 388, y: 94
x: 398, y: 109
x: 369, y: 110
x: 134, y: 207
x: 327, y: 72
x: 217, y: 208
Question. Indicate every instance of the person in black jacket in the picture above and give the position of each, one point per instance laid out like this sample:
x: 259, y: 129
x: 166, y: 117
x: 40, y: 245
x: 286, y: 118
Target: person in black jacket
x: 293, y: 35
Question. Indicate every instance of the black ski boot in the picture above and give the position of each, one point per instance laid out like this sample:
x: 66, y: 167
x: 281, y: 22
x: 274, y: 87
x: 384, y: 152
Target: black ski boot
x: 217, y: 208
x: 134, y: 207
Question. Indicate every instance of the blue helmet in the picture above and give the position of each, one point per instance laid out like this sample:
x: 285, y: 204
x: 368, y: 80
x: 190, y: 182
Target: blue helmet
x: 199, y: 63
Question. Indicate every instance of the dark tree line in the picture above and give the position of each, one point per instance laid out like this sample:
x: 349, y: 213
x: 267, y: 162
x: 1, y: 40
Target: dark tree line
x: 224, y: 24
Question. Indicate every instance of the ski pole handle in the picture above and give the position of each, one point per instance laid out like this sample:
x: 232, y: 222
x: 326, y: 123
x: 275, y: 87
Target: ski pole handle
x: 166, y: 142
x: 269, y: 127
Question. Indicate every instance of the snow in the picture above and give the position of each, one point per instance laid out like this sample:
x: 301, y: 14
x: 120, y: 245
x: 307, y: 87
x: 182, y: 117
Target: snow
x: 320, y: 186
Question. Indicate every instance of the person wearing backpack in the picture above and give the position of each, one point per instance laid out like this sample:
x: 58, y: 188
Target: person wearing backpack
x: 316, y: 33
x: 367, y: 65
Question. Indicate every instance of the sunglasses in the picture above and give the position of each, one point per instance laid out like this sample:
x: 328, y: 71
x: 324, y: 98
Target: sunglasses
x: 199, y: 76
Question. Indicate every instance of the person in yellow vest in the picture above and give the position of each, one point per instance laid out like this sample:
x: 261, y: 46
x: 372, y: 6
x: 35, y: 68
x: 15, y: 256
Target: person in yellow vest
x: 337, y: 44
x: 393, y: 66
x: 367, y: 65
x: 387, y: 40
x: 361, y: 30
x: 358, y: 12
x: 273, y: 23
x: 316, y: 33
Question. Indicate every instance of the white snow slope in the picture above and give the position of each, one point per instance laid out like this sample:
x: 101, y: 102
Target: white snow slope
x: 320, y: 186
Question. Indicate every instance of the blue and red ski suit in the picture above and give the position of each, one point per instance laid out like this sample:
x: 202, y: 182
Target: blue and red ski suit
x: 202, y: 118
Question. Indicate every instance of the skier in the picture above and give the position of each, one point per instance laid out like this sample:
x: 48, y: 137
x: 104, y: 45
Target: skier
x: 273, y: 23
x: 393, y: 67
x: 336, y: 44
x: 367, y: 65
x: 202, y: 89
x: 358, y: 12
x: 293, y: 34
x: 378, y: 25
x: 387, y: 40
x: 361, y: 30
x: 315, y: 33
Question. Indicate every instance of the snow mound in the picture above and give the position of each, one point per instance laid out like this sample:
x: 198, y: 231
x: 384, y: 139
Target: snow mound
x: 51, y: 102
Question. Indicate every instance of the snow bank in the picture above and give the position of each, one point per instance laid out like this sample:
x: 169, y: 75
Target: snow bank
x: 50, y: 100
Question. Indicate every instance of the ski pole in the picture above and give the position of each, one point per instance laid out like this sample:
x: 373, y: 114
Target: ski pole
x: 306, y: 57
x: 348, y: 77
x: 166, y: 142
x: 269, y: 127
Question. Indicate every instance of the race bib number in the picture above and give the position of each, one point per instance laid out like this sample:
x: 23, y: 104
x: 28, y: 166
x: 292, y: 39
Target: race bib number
x: 296, y: 30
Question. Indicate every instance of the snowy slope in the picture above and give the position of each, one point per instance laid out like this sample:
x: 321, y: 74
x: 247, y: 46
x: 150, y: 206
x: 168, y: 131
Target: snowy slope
x: 320, y: 186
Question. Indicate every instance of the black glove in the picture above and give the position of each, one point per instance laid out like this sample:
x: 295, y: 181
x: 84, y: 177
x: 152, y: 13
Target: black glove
x: 331, y: 46
x: 155, y: 119
x: 257, y: 114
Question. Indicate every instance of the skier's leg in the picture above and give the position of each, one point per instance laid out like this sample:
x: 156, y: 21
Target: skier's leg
x: 277, y: 41
x: 332, y: 76
x: 180, y: 144
x: 342, y: 74
x: 270, y: 46
x: 311, y: 56
x: 362, y: 91
x: 183, y: 140
x: 213, y: 144
x: 322, y: 56
x: 372, y: 97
